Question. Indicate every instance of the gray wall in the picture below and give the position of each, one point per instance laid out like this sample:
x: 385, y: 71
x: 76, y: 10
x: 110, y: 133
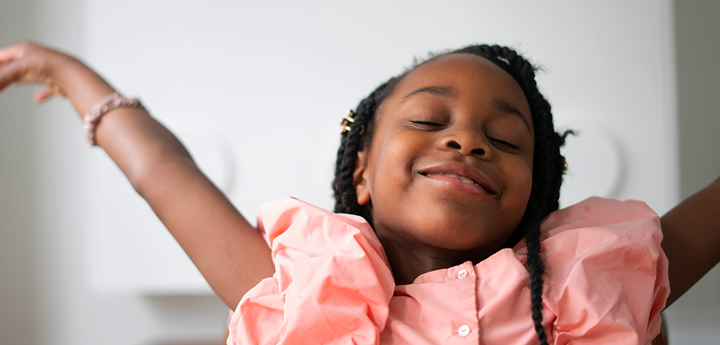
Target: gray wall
x: 17, y: 259
x: 695, y: 318
x: 697, y: 28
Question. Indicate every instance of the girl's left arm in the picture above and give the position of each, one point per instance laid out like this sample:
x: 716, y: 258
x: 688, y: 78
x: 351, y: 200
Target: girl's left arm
x: 692, y: 239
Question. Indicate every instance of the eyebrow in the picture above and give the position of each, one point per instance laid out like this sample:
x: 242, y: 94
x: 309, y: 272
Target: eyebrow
x: 506, y: 108
x: 441, y: 91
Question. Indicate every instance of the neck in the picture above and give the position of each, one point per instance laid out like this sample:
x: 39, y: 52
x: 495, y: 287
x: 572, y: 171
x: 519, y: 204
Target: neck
x: 409, y: 259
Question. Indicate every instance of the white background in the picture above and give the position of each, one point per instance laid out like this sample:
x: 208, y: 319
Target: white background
x: 256, y: 90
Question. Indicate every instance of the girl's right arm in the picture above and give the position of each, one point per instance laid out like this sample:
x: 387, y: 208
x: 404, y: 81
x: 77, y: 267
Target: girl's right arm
x: 229, y: 252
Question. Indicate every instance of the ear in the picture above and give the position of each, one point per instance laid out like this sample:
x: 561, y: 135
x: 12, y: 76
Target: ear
x: 359, y: 179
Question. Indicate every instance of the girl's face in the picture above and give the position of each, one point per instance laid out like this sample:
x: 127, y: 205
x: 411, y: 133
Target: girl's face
x: 450, y: 164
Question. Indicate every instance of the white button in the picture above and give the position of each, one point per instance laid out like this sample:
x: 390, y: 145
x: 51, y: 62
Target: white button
x: 463, y: 330
x: 462, y: 274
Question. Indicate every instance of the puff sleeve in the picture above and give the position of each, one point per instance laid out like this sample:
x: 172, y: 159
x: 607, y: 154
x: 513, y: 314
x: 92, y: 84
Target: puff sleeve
x: 332, y: 283
x: 607, y: 273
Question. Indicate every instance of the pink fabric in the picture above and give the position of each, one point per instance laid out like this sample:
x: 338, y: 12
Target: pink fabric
x: 606, y: 284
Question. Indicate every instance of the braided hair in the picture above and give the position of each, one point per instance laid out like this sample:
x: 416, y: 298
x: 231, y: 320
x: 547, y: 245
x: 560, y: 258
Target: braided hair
x: 548, y: 164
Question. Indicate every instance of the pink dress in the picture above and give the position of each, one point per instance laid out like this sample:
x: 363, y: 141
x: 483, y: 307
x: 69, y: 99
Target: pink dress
x: 606, y: 283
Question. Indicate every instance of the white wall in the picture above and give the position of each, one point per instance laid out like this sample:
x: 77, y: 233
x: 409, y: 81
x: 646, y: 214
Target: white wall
x: 287, y: 70
x: 270, y: 82
x: 44, y: 295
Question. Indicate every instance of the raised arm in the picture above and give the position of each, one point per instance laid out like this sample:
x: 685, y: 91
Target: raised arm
x: 692, y: 239
x: 228, y: 251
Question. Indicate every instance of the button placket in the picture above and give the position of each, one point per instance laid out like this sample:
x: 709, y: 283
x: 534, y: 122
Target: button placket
x: 462, y: 274
x: 465, y: 282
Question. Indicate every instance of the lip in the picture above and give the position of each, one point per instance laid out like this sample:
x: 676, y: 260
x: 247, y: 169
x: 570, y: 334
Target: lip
x: 437, y: 172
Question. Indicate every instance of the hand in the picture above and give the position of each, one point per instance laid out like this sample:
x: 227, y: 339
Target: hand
x: 31, y: 63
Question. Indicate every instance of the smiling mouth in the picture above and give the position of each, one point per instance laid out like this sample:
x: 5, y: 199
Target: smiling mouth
x: 471, y: 185
x: 453, y: 175
x: 460, y: 176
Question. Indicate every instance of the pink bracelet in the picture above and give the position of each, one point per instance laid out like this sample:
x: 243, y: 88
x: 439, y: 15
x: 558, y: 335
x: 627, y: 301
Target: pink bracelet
x: 103, y: 107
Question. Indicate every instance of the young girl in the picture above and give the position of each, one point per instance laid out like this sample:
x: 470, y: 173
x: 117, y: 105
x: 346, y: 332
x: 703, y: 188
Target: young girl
x: 455, y: 170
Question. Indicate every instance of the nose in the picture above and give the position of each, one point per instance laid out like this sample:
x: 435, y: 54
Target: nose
x: 468, y: 143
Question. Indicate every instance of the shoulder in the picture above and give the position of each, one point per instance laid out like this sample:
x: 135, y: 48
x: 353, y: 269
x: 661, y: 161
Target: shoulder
x: 325, y: 264
x: 606, y: 269
x: 595, y: 222
x: 293, y: 219
x: 599, y: 212
x: 296, y: 230
x: 284, y: 212
x: 607, y: 236
x: 597, y: 227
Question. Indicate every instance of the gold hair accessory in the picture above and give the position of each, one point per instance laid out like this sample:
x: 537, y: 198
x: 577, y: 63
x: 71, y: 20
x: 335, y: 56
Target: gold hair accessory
x: 347, y: 121
x: 565, y: 165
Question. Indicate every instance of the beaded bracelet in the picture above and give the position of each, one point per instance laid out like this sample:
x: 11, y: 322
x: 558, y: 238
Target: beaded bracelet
x: 103, y: 107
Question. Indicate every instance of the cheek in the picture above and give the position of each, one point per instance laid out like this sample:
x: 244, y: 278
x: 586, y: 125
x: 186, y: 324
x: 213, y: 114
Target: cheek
x: 382, y: 177
x: 394, y: 161
x: 521, y: 177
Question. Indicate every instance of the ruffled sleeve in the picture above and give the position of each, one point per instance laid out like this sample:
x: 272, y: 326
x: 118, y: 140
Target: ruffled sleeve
x: 607, y: 275
x: 332, y: 283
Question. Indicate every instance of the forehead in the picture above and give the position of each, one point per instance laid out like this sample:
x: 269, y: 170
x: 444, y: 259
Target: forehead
x: 471, y: 75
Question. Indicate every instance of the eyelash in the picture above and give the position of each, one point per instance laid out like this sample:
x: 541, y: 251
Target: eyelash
x: 436, y: 126
x: 427, y: 123
x: 504, y: 143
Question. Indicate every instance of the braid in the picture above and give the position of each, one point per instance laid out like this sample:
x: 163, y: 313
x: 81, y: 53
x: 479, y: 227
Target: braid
x: 359, y: 135
x: 536, y: 267
x: 548, y: 164
x: 547, y: 171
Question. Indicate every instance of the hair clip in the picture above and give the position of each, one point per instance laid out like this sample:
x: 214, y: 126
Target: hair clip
x: 503, y: 59
x: 347, y: 121
x: 565, y: 165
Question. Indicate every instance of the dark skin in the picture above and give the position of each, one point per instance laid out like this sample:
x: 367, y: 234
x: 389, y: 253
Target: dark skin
x: 448, y: 173
x: 231, y: 254
x: 692, y: 239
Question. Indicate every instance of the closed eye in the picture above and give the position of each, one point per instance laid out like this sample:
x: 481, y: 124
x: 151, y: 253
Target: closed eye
x: 427, y: 124
x: 503, y: 144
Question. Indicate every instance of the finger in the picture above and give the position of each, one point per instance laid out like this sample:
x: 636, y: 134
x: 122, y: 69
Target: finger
x: 44, y: 95
x: 10, y: 73
x: 11, y: 53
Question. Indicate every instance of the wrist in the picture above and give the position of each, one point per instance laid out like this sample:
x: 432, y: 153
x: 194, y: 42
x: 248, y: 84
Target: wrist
x: 63, y: 68
x: 82, y: 85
